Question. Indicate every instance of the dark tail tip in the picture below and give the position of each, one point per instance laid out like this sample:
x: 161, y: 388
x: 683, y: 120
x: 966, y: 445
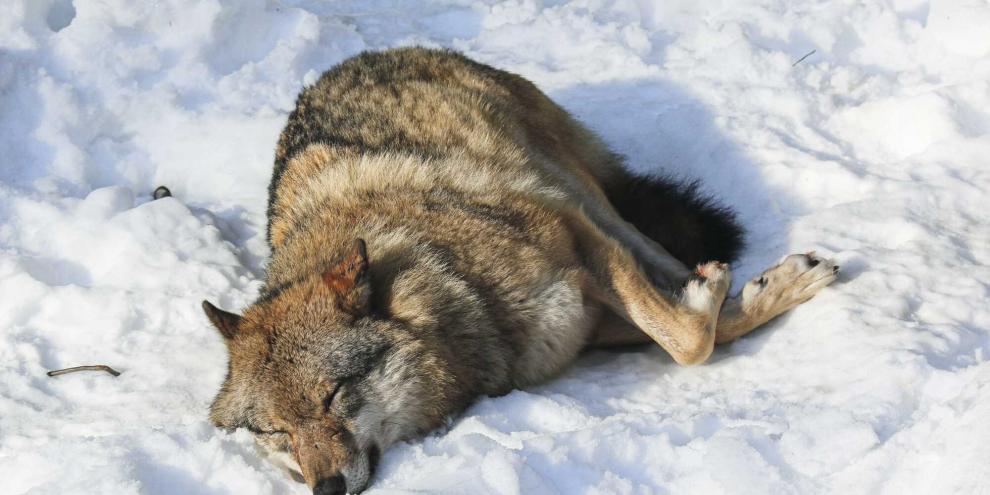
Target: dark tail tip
x: 693, y: 227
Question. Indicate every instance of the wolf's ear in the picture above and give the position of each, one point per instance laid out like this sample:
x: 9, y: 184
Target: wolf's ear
x: 348, y: 280
x: 225, y: 322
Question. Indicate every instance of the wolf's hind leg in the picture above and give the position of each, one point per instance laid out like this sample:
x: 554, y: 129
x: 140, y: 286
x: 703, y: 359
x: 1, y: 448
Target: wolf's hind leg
x: 779, y: 288
x: 683, y: 323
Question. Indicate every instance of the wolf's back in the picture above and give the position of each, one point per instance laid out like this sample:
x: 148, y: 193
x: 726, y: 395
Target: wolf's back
x: 430, y: 104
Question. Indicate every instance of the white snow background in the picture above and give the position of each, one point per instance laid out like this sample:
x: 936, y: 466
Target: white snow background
x: 874, y: 150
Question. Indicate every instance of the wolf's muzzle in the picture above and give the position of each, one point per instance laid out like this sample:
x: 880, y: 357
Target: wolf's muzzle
x: 333, y: 485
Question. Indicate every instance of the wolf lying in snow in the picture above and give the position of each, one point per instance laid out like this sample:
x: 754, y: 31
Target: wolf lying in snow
x: 440, y: 230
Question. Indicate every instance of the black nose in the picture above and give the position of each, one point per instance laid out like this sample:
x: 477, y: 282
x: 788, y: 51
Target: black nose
x: 333, y: 485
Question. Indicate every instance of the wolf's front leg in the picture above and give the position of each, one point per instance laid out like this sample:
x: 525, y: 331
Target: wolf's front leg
x: 779, y: 288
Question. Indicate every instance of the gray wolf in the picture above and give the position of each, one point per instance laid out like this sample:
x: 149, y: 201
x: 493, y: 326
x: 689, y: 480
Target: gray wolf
x: 440, y: 231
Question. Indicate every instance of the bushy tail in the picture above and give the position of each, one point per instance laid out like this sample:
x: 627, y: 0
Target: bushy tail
x: 693, y: 227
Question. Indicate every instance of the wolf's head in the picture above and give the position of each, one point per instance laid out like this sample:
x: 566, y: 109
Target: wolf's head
x: 322, y: 379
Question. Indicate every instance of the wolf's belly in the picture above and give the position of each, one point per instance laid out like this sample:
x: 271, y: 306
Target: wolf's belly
x: 558, y: 321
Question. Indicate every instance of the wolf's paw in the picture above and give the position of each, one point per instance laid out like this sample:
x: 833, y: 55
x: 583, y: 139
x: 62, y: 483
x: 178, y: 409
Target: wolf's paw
x: 706, y: 288
x: 794, y: 280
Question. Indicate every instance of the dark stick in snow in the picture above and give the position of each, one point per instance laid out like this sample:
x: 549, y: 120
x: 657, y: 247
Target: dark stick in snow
x: 95, y: 367
x: 806, y: 55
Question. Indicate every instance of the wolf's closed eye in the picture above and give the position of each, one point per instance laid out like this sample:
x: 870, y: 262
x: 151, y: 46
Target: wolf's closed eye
x: 265, y: 431
x: 328, y: 400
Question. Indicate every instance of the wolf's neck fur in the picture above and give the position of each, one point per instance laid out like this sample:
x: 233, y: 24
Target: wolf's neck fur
x: 322, y: 176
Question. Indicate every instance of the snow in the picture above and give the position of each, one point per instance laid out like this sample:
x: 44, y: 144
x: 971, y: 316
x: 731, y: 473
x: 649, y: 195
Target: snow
x: 872, y: 150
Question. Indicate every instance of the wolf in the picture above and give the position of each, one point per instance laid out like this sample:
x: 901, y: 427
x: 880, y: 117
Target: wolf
x: 440, y: 231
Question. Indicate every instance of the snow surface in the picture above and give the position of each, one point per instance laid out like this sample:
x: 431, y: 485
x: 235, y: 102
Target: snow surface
x: 874, y: 150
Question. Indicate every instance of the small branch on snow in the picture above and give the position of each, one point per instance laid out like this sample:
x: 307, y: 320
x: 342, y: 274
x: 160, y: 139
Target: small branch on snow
x: 95, y: 367
x: 806, y: 55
